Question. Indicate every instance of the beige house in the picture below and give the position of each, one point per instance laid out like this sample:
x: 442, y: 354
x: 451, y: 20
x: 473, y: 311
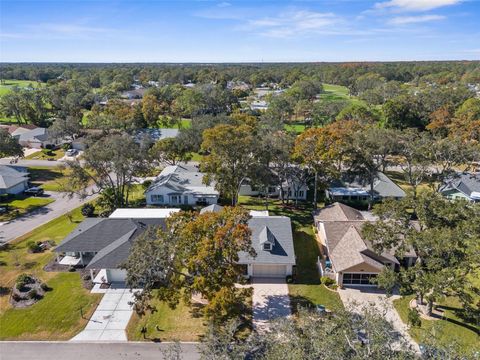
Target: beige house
x: 346, y: 255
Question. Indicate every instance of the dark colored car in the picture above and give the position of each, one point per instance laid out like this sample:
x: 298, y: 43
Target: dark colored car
x: 34, y: 191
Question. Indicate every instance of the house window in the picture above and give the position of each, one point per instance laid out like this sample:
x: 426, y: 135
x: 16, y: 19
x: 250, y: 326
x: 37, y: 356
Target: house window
x: 185, y: 199
x: 301, y: 193
x: 267, y: 246
x: 175, y: 199
x: 156, y: 198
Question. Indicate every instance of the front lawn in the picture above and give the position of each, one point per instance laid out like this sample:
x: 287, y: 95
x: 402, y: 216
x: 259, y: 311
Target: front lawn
x: 41, y: 155
x: 307, y: 290
x: 57, y: 316
x: 48, y: 178
x: 20, y: 204
x: 165, y: 324
x: 449, y: 330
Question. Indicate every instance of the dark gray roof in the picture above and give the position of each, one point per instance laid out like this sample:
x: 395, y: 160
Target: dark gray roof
x: 110, y: 238
x: 466, y: 183
x: 12, y: 175
x: 383, y: 186
x: 278, y: 229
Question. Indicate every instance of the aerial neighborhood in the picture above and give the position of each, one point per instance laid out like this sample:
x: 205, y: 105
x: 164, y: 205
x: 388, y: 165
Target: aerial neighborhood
x: 223, y: 205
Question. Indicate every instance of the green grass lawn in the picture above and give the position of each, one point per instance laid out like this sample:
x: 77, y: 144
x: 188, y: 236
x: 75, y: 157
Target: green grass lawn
x: 48, y: 178
x: 298, y: 128
x: 56, y: 316
x: 399, y: 178
x: 307, y: 290
x: 183, y: 324
x: 7, y: 85
x: 20, y: 205
x: 40, y: 155
x: 448, y: 330
x: 337, y: 92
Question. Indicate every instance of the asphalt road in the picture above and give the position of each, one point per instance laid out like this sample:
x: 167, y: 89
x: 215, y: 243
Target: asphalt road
x: 12, y: 350
x: 26, y: 223
x: 31, y: 163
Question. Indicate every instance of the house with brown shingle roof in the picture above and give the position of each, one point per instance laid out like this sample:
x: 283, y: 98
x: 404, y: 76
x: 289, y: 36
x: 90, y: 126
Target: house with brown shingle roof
x: 347, y: 255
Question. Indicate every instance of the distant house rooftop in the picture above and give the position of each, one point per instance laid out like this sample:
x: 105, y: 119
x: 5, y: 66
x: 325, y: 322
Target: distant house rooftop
x: 467, y: 184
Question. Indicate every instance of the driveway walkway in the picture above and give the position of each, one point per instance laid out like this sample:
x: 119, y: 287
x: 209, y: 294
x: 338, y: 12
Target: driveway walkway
x: 357, y: 298
x: 20, y: 226
x: 270, y: 300
x: 110, y: 319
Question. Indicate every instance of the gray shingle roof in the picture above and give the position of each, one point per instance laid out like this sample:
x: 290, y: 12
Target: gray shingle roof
x: 110, y: 238
x: 183, y: 179
x: 466, y: 183
x: 383, y: 186
x: 12, y: 175
x: 280, y: 229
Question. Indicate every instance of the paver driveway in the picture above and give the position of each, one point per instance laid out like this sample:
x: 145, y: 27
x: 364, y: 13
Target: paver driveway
x: 270, y: 300
x: 357, y: 298
x: 110, y: 319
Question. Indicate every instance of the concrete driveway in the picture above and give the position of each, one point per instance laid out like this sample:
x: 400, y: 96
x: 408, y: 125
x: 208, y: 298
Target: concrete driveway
x: 110, y: 319
x: 356, y: 298
x: 270, y: 300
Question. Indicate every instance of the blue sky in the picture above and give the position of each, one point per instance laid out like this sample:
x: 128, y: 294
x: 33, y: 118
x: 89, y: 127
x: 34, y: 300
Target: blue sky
x: 239, y: 31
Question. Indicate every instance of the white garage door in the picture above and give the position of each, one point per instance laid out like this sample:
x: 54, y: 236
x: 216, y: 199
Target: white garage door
x: 270, y: 270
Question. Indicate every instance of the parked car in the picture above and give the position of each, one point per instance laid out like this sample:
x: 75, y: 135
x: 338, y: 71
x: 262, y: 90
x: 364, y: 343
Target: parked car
x: 34, y: 191
x: 71, y: 152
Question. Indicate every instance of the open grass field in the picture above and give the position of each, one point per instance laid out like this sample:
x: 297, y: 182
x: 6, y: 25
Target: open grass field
x: 7, y: 85
x: 307, y: 291
x: 20, y: 205
x: 56, y: 316
x: 338, y: 92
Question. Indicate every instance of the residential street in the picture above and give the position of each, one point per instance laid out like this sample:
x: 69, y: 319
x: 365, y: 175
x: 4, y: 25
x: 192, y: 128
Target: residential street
x: 31, y: 163
x: 24, y: 224
x: 10, y: 350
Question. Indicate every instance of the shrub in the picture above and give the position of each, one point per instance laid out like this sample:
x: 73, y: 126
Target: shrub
x: 48, y: 152
x: 88, y: 210
x: 289, y: 279
x: 327, y: 281
x: 34, y: 247
x: 16, y: 297
x: 23, y: 280
x: 32, y: 294
x: 86, y: 277
x: 414, y: 318
x: 146, y: 184
x: 45, y: 287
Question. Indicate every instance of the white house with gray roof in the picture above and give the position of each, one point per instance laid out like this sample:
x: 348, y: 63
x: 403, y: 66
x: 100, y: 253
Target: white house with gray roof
x: 181, y: 185
x: 359, y: 190
x: 13, y: 179
x: 464, y: 186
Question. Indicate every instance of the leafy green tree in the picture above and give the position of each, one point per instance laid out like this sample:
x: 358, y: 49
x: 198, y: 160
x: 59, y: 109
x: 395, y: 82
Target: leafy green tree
x: 110, y: 164
x: 66, y: 128
x: 9, y: 146
x: 169, y: 151
x: 445, y: 238
x: 196, y: 254
x: 387, y: 280
x: 359, y: 113
x: 231, y: 157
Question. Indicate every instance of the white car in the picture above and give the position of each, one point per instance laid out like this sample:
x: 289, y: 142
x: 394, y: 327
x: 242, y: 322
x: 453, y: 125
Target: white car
x: 71, y: 152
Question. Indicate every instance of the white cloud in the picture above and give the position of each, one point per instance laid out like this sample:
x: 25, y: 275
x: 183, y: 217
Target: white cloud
x: 415, y: 5
x: 224, y: 4
x: 403, y: 20
x: 293, y: 23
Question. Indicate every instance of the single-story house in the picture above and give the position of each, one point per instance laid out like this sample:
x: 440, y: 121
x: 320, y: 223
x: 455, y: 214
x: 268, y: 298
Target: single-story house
x: 181, y: 185
x: 103, y: 244
x: 13, y: 179
x: 359, y: 190
x: 272, y: 240
x: 37, y: 138
x: 134, y: 94
x: 348, y: 257
x: 463, y: 186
